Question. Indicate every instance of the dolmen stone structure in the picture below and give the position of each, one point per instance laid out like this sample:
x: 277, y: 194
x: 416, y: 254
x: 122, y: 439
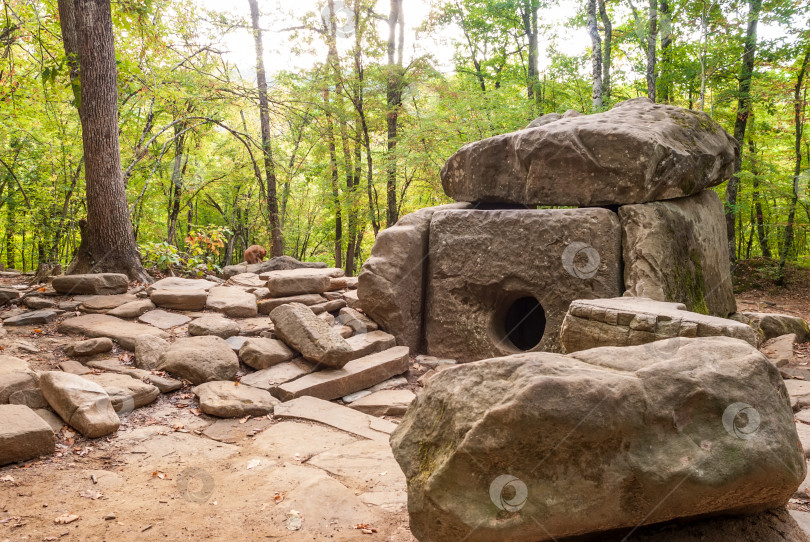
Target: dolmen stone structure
x: 494, y: 275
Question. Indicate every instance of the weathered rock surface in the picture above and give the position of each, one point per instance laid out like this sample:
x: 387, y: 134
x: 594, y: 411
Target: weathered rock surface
x: 302, y: 330
x: 629, y: 321
x: 82, y: 404
x: 213, y: 325
x: 232, y: 302
x: 780, y: 350
x: 385, y: 403
x: 32, y: 318
x: 162, y: 383
x: 180, y: 293
x: 14, y: 381
x: 200, y: 359
x: 126, y: 393
x: 277, y: 263
x: 37, y: 303
x: 89, y: 347
x: 337, y: 416
x: 233, y: 400
x: 8, y: 294
x: 32, y: 398
x: 704, y: 434
x: 269, y: 379
x: 103, y: 303
x: 677, y: 250
x: 133, y: 309
x: 23, y: 435
x: 103, y: 325
x: 300, y: 281
x: 163, y: 319
x: 91, y: 284
x: 263, y: 353
x: 774, y: 325
x: 267, y: 305
x: 636, y: 152
x: 369, y: 343
x: 253, y: 327
x: 74, y: 367
x: 392, y: 281
x: 148, y: 349
x: 359, y: 322
x: 484, y: 300
x: 356, y: 375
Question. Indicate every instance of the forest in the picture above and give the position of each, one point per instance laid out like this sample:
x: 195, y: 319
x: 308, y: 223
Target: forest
x: 314, y: 160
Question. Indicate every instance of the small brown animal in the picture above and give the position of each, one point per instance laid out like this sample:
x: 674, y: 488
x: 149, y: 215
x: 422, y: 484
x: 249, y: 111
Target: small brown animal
x: 255, y: 254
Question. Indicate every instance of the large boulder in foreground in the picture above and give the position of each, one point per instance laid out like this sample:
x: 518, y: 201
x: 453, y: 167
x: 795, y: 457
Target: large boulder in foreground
x: 82, y: 404
x: 200, y: 359
x: 91, y: 284
x: 636, y: 152
x: 540, y: 446
x: 677, y: 251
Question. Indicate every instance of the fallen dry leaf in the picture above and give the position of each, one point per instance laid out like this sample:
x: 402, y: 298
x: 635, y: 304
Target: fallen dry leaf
x: 64, y: 519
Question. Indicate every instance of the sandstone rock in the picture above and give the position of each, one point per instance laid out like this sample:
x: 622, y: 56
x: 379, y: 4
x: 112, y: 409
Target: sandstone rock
x: 636, y: 152
x: 33, y: 318
x: 385, y: 403
x: 249, y: 280
x: 338, y: 283
x: 337, y: 416
x: 774, y: 325
x: 780, y: 350
x: 352, y: 282
x: 298, y: 326
x: 359, y: 322
x: 148, y: 349
x: 329, y: 306
x: 89, y: 347
x: 37, y: 303
x: 277, y: 263
x: 103, y: 325
x: 483, y: 300
x: 391, y: 282
x: 180, y: 294
x: 256, y: 326
x: 263, y: 353
x: 91, y: 284
x: 213, y: 325
x: 179, y: 283
x: 32, y: 398
x: 12, y: 382
x: 163, y: 383
x: 485, y: 440
x: 299, y: 281
x: 369, y: 343
x: 356, y: 375
x: 74, y: 367
x: 269, y: 379
x: 103, y: 303
x: 200, y: 359
x: 233, y: 400
x: 236, y: 342
x: 677, y: 251
x: 628, y: 321
x: 23, y: 435
x: 126, y: 393
x: 232, y: 302
x: 267, y: 305
x: 133, y: 309
x: 346, y: 332
x: 8, y: 294
x: 163, y: 320
x: 82, y: 404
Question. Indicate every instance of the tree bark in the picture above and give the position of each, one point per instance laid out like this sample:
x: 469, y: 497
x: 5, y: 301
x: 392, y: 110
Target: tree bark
x: 666, y: 54
x: 759, y: 216
x: 607, y: 44
x: 596, y: 45
x: 264, y: 121
x: 110, y: 240
x: 529, y: 18
x: 740, y: 123
x: 652, y: 37
x: 393, y: 97
x: 331, y: 61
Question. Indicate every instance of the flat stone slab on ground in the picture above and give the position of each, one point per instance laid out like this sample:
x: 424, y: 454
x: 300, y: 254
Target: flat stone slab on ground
x: 163, y: 383
x: 233, y: 431
x: 13, y: 382
x: 359, y: 322
x: 356, y: 375
x: 254, y: 327
x: 89, y: 347
x: 227, y: 399
x: 23, y: 435
x: 364, y: 344
x: 267, y: 305
x: 8, y: 294
x: 236, y: 342
x: 780, y: 349
x: 233, y: 302
x: 385, y: 403
x: 103, y: 325
x: 81, y: 403
x: 37, y: 303
x: 33, y: 318
x: 180, y: 293
x: 269, y: 379
x: 213, y: 325
x: 133, y: 309
x: 163, y: 320
x: 31, y: 397
x: 260, y: 353
x: 74, y: 367
x: 91, y: 284
x: 300, y: 281
x: 365, y: 463
x: 337, y: 416
x: 103, y: 303
x: 126, y: 393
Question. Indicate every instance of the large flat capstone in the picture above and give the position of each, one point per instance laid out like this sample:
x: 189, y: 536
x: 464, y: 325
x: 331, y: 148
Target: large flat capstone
x: 91, y: 284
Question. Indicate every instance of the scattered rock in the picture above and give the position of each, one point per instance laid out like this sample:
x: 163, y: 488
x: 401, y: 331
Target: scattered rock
x: 369, y: 343
x: 232, y: 302
x: 23, y: 435
x: 162, y: 383
x: 264, y: 353
x: 353, y: 301
x: 200, y: 359
x: 775, y: 325
x: 8, y: 294
x: 89, y: 347
x: 133, y: 309
x: 329, y: 306
x: 32, y: 318
x: 337, y: 416
x: 180, y: 294
x: 359, y: 322
x: 15, y: 381
x: 163, y: 320
x: 82, y: 404
x: 54, y: 421
x: 385, y: 403
x: 232, y: 400
x: 390, y: 384
x: 352, y: 397
x: 269, y: 379
x: 37, y: 303
x: 267, y: 305
x: 276, y: 263
x: 300, y: 281
x: 300, y: 328
x: 338, y: 283
x: 148, y: 349
x: 103, y: 325
x: 236, y: 342
x: 213, y: 325
x: 126, y: 393
x: 255, y: 326
x: 780, y: 350
x: 103, y: 303
x: 91, y: 284
x: 74, y: 367
x: 32, y: 398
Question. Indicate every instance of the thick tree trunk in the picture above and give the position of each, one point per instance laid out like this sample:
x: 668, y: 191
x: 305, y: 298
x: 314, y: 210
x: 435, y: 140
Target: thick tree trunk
x: 759, y: 216
x: 176, y: 185
x: 743, y: 112
x: 331, y: 62
x: 396, y: 22
x: 666, y: 54
x: 264, y: 119
x: 596, y: 45
x: 529, y: 17
x: 111, y: 243
x: 652, y: 37
x: 606, y: 55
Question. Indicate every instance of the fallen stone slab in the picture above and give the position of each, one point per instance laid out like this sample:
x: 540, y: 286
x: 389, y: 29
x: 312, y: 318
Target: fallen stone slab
x: 200, y: 359
x: 299, y: 281
x: 272, y: 377
x: 103, y: 303
x: 356, y: 375
x: 126, y: 393
x: 38, y: 303
x: 234, y: 431
x: 11, y: 382
x: 677, y: 251
x: 267, y: 305
x: 103, y: 325
x: 163, y: 383
x: 180, y: 283
x: 359, y: 322
x: 148, y: 349
x: 328, y: 306
x: 339, y: 417
x: 385, y: 403
x: 247, y: 280
x: 55, y: 422
x: 32, y: 398
x: 89, y: 347
x: 276, y: 263
x: 302, y: 330
x: 780, y: 350
x: 180, y: 293
x: 339, y: 283
x: 23, y: 435
x: 233, y: 400
x: 133, y: 309
x: 353, y: 301
x: 91, y: 284
x: 232, y: 302
x: 547, y: 408
x: 774, y: 325
x: 74, y: 367
x: 82, y: 404
x: 255, y: 326
x: 8, y: 294
x: 363, y: 463
x: 33, y: 318
x: 213, y: 325
x: 371, y: 342
x: 163, y: 320
x: 263, y: 353
x: 629, y: 321
x: 236, y: 342
x: 639, y: 151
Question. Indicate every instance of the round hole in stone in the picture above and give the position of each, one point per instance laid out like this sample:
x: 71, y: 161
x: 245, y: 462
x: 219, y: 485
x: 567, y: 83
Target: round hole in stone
x: 524, y: 323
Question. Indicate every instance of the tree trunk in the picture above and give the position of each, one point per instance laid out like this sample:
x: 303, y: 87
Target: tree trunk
x: 596, y: 45
x: 529, y: 17
x: 666, y: 54
x: 264, y: 120
x: 331, y: 61
x: 606, y: 55
x: 176, y: 184
x: 759, y: 216
x: 111, y: 243
x: 652, y: 36
x: 743, y: 112
x: 393, y: 101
